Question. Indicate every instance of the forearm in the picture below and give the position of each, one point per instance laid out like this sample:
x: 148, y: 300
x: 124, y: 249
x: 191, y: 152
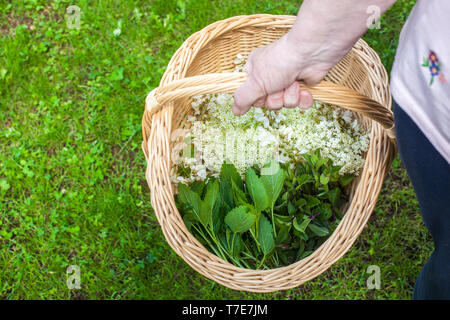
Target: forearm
x: 331, y: 27
x: 324, y: 31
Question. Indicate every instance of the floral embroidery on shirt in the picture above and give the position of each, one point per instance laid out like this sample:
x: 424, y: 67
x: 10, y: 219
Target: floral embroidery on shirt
x: 434, y: 65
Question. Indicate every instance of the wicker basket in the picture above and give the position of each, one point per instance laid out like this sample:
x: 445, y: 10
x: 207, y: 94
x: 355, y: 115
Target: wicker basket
x: 202, y: 65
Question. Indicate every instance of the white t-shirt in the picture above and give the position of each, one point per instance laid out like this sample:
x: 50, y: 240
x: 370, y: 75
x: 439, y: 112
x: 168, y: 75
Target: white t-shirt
x: 420, y: 78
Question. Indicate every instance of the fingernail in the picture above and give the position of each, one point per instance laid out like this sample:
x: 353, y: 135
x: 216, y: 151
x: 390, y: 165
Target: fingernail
x: 277, y: 95
x: 304, y: 95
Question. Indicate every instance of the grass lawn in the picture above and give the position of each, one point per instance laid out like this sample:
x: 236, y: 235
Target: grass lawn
x: 72, y: 183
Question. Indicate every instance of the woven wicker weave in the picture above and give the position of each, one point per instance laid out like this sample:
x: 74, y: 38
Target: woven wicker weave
x: 204, y: 64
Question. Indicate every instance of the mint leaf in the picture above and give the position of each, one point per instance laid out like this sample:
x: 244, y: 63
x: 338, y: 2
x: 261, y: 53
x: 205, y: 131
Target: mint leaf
x: 283, y: 234
x: 325, y: 211
x: 319, y: 231
x: 333, y: 196
x: 311, y: 201
x: 256, y: 190
x: 240, y: 219
x: 302, y: 226
x: 281, y: 219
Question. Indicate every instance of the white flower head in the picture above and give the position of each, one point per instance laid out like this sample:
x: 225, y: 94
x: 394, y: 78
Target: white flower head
x: 261, y: 134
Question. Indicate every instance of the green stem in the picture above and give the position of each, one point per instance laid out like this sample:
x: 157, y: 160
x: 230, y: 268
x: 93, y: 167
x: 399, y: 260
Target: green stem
x: 232, y: 243
x: 276, y: 259
x: 246, y: 264
x: 262, y: 261
x: 224, y: 252
x: 219, y: 246
x: 273, y: 223
x: 219, y: 254
x: 256, y: 240
x: 248, y: 255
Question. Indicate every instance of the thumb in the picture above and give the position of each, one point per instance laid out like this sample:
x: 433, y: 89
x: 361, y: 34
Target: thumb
x: 245, y: 96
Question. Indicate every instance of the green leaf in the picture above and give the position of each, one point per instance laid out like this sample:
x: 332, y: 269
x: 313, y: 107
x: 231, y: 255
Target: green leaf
x: 198, y: 187
x: 265, y: 235
x: 346, y: 179
x: 226, y: 194
x: 256, y: 190
x: 291, y: 208
x: 229, y: 173
x: 318, y: 230
x: 237, y: 245
x: 333, y: 196
x: 273, y: 183
x: 189, y: 219
x: 305, y: 254
x: 321, y: 162
x: 324, y: 179
x: 240, y: 219
x: 311, y: 201
x: 212, y: 195
x: 300, y: 203
x: 192, y: 200
x: 185, y: 194
x: 301, y: 248
x: 301, y: 235
x: 239, y: 197
x: 325, y: 211
x: 283, y: 234
x: 217, y: 217
x: 205, y: 213
x: 282, y: 218
x: 302, y: 226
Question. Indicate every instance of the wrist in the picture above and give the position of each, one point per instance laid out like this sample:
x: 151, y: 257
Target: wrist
x: 318, y: 46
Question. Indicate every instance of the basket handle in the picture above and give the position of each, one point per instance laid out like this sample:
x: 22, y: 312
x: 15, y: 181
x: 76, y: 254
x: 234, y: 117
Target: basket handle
x: 325, y: 91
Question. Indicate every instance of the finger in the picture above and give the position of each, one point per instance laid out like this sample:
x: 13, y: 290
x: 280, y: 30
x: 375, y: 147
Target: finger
x: 245, y: 96
x: 292, y: 95
x: 260, y: 102
x: 275, y: 101
x: 246, y: 68
x: 314, y: 78
x: 306, y: 99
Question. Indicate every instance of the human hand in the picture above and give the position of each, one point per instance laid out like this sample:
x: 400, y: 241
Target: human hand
x: 272, y: 74
x: 322, y: 35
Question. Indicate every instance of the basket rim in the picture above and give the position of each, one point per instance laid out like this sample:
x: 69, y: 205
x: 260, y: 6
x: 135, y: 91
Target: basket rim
x: 381, y: 151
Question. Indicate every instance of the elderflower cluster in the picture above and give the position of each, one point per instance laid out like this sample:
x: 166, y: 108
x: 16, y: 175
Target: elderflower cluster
x: 217, y: 136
